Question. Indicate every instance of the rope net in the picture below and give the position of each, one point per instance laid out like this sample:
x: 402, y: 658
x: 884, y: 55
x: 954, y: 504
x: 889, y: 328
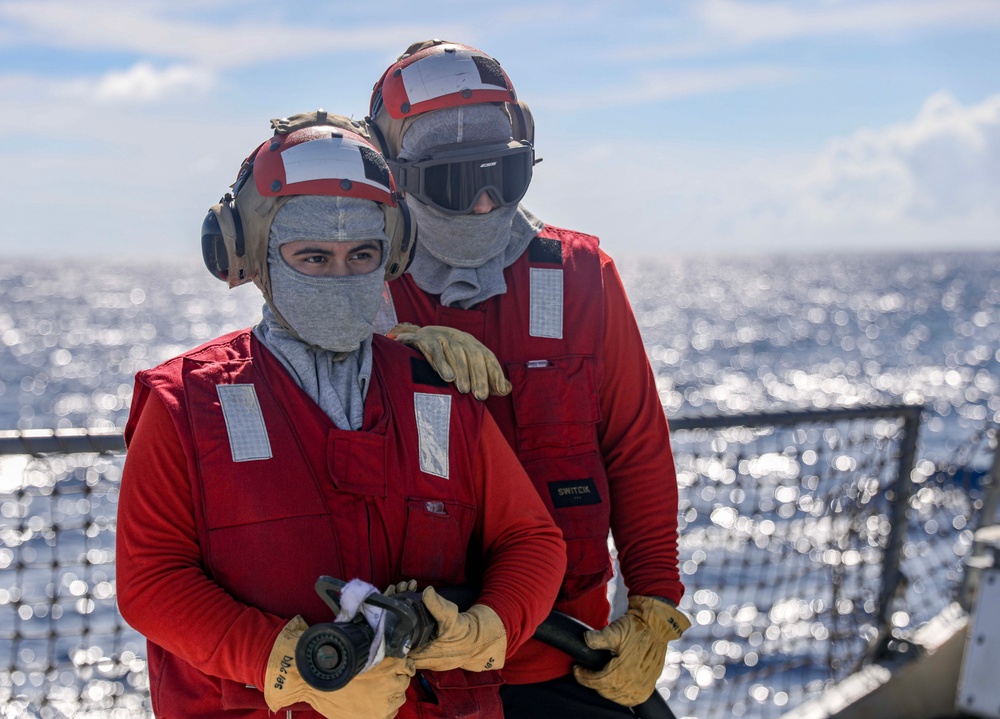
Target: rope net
x: 786, y: 549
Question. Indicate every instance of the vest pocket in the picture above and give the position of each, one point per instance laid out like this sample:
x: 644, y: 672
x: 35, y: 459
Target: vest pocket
x: 576, y: 493
x: 555, y: 402
x: 437, y: 537
x: 252, y: 493
x: 588, y: 563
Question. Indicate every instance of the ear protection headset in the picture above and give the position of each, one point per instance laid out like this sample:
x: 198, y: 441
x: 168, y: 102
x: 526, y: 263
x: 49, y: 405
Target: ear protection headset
x: 310, y: 154
x: 433, y: 75
x: 224, y: 249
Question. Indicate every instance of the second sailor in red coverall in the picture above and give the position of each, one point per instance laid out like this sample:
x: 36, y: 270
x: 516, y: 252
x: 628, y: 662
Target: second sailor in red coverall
x: 584, y: 416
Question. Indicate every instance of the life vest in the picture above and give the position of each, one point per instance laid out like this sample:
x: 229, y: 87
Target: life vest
x: 281, y: 496
x: 548, y: 340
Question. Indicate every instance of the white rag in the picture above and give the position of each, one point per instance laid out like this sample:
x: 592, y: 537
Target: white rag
x: 352, y: 600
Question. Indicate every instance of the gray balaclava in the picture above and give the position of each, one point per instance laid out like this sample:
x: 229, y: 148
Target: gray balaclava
x: 333, y: 316
x: 461, y: 257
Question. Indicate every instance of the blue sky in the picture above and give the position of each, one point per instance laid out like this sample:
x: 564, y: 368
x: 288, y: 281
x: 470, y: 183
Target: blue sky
x: 667, y: 128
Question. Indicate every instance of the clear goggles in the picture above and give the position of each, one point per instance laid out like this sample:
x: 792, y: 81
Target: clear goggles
x: 452, y: 178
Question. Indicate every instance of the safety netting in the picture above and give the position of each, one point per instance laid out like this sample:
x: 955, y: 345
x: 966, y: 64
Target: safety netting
x: 810, y: 543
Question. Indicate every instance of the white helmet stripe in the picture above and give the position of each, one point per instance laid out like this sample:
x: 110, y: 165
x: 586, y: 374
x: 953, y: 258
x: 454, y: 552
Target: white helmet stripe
x: 443, y: 74
x: 325, y: 159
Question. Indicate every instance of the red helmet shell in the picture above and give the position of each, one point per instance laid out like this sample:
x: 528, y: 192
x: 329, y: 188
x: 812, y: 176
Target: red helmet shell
x: 323, y: 160
x: 440, y: 76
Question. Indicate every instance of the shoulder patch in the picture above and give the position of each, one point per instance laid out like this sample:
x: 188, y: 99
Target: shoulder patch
x: 421, y: 372
x: 545, y: 249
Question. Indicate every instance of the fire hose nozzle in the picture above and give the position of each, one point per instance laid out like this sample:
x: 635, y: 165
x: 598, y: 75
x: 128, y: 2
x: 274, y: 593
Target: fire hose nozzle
x: 329, y: 655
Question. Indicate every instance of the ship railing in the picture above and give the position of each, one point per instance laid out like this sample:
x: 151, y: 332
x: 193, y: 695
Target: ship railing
x: 809, y: 541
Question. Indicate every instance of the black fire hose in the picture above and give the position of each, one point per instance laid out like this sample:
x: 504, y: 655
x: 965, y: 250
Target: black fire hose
x: 565, y: 633
x: 329, y: 655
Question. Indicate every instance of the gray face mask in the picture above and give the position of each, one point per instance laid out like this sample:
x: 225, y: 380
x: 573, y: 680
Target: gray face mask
x: 333, y: 313
x: 463, y: 240
x: 467, y: 241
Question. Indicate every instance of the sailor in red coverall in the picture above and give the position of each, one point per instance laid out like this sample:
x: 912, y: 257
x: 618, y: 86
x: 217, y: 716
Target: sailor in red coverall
x: 584, y: 417
x: 305, y: 446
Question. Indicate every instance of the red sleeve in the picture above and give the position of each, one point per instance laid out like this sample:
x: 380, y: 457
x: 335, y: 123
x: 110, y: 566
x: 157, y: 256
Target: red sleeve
x: 525, y: 556
x: 635, y: 443
x: 163, y: 591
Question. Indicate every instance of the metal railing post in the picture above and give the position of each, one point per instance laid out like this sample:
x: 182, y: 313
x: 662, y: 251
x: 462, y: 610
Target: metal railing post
x: 981, y: 555
x: 987, y: 515
x: 60, y: 441
x: 891, y: 573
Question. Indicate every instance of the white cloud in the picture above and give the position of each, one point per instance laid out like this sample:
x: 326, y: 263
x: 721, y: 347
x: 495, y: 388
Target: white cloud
x: 752, y: 22
x: 142, y: 83
x: 147, y: 144
x: 720, y: 27
x: 156, y: 28
x: 653, y: 87
x: 47, y: 98
x: 932, y: 182
x: 939, y: 168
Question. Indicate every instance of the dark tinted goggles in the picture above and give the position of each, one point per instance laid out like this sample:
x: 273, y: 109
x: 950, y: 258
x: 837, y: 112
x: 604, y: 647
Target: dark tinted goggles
x: 452, y: 178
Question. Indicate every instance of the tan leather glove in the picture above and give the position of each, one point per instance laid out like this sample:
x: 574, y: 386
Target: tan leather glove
x: 638, y: 639
x: 375, y: 694
x: 457, y: 356
x: 475, y: 640
x: 400, y: 587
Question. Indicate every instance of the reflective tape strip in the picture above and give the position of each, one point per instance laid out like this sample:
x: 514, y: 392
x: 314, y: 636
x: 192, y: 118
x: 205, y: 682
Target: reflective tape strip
x: 433, y: 431
x: 437, y: 75
x: 244, y: 422
x: 546, y: 303
x: 325, y: 159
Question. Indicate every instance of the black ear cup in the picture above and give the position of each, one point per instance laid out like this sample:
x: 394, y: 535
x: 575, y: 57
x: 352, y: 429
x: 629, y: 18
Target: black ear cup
x: 214, y: 251
x: 213, y: 246
x: 213, y: 241
x: 522, y: 122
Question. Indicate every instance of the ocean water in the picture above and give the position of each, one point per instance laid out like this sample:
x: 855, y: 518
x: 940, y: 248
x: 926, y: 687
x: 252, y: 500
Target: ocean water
x: 723, y: 334
x: 738, y: 335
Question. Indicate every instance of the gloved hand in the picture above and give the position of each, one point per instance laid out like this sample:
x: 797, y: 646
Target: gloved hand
x: 400, y: 587
x: 375, y: 694
x: 475, y: 640
x: 638, y: 639
x: 457, y: 356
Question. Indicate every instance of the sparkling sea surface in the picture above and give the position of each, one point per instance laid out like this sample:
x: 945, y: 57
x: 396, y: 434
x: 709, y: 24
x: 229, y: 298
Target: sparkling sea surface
x: 723, y: 334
